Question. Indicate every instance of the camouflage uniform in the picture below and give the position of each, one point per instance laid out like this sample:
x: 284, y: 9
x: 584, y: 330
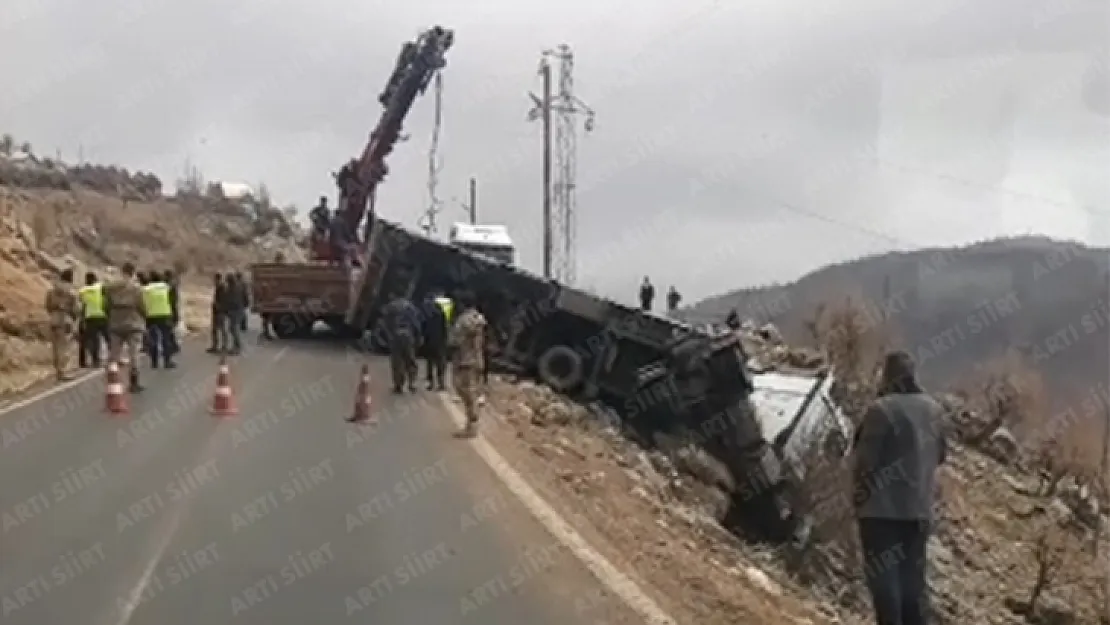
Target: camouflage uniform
x: 64, y: 308
x: 126, y: 325
x: 468, y: 337
x: 402, y: 324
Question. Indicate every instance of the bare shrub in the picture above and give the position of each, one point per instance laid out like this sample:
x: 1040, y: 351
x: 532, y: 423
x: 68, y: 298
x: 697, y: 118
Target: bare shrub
x: 1005, y: 392
x: 854, y: 340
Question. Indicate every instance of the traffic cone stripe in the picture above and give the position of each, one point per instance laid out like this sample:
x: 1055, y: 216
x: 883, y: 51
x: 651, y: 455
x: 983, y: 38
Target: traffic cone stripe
x: 362, y: 397
x: 115, y: 399
x: 223, y: 402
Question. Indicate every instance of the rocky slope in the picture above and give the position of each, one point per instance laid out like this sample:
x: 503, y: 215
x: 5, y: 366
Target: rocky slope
x: 43, y: 230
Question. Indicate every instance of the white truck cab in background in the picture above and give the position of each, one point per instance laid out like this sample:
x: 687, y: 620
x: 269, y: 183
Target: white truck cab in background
x: 491, y: 241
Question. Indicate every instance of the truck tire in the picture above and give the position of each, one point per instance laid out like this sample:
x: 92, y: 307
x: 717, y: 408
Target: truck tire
x: 560, y: 367
x: 287, y: 326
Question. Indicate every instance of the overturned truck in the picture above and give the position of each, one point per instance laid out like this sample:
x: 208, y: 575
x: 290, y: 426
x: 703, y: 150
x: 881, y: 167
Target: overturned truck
x: 660, y: 375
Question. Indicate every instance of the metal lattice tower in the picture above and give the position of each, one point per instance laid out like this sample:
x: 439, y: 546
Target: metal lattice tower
x: 560, y: 113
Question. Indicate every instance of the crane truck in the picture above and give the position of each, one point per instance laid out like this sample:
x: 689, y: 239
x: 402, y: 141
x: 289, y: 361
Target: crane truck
x: 661, y: 376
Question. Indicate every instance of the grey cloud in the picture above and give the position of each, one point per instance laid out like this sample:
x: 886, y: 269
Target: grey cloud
x: 732, y: 128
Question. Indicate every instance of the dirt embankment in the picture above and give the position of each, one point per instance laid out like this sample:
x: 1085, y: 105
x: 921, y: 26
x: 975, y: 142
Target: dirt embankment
x: 43, y: 231
x: 1008, y: 547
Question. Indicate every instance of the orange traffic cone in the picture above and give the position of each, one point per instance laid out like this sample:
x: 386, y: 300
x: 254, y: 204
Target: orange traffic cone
x: 115, y: 399
x: 223, y: 404
x: 361, y: 412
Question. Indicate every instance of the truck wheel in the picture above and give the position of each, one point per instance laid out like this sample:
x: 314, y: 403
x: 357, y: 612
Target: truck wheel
x: 560, y: 367
x: 285, y: 326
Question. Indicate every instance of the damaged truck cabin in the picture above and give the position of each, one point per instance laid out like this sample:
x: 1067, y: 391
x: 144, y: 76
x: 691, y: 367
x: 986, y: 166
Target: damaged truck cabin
x: 662, y: 376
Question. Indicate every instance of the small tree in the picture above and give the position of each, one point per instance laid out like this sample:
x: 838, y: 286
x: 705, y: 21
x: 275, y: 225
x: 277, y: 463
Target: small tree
x: 25, y: 147
x: 7, y: 143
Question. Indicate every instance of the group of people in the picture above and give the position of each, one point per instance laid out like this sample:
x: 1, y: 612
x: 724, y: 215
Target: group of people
x: 231, y: 301
x: 432, y: 328
x: 136, y: 313
x: 647, y: 297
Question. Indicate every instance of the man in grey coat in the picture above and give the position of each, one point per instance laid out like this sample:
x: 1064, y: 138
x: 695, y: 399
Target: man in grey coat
x: 899, y: 446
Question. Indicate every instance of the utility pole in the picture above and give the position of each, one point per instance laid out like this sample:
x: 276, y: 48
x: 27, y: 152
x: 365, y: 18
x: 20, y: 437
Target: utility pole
x: 559, y: 187
x: 473, y: 206
x: 545, y: 113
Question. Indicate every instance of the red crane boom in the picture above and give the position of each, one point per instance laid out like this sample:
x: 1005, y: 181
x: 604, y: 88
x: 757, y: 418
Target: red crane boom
x: 417, y: 63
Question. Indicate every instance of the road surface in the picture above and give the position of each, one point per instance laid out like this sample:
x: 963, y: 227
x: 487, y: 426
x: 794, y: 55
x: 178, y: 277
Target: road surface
x: 283, y: 514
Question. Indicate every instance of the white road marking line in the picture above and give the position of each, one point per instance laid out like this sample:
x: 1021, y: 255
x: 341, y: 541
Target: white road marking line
x: 609, y: 575
x: 53, y: 390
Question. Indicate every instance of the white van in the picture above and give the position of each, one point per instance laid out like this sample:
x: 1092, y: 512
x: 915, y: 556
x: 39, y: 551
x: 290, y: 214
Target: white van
x: 491, y: 241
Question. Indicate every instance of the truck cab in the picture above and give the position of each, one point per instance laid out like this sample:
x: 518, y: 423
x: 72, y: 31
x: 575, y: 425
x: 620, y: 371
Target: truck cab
x: 491, y: 241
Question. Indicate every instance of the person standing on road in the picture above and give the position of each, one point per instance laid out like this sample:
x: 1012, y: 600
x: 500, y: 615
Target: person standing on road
x: 123, y: 300
x: 402, y: 324
x: 235, y: 295
x: 468, y: 341
x: 246, y: 297
x: 159, y: 321
x: 94, y: 322
x: 899, y: 446
x: 63, y: 308
x: 175, y: 303
x: 435, y: 339
x: 647, y: 294
x: 218, y: 331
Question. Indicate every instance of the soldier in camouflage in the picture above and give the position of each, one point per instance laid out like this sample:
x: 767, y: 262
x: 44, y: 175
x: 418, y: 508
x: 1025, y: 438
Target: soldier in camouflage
x: 468, y: 341
x: 402, y: 326
x: 64, y: 308
x: 123, y: 300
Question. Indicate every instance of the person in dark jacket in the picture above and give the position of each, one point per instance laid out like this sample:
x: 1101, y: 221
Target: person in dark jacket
x: 402, y: 326
x: 235, y: 306
x: 435, y: 341
x: 647, y: 294
x: 175, y: 302
x: 246, y: 297
x: 219, y: 340
x: 899, y: 446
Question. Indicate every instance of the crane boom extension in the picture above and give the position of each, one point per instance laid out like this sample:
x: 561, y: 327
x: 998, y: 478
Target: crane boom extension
x: 358, y: 180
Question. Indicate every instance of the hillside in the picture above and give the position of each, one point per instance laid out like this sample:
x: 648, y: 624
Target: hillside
x: 959, y: 308
x: 91, y: 217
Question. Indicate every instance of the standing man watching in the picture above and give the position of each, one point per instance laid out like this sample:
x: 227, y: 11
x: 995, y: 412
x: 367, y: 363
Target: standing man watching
x: 218, y: 331
x: 63, y: 308
x: 435, y: 340
x: 402, y: 323
x: 899, y: 446
x: 94, y: 322
x: 235, y: 294
x: 123, y: 300
x: 468, y: 339
x: 175, y: 303
x: 647, y: 294
x: 159, y: 320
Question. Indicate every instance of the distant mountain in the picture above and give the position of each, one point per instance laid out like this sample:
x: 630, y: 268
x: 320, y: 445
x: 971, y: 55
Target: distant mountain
x: 957, y: 307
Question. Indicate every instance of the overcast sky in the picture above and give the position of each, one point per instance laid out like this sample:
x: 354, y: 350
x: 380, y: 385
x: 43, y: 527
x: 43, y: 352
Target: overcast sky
x: 736, y: 143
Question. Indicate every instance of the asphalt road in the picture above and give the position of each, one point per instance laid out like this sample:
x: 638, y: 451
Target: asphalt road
x: 283, y: 514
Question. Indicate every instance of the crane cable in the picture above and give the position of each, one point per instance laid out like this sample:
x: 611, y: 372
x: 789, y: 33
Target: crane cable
x: 435, y: 163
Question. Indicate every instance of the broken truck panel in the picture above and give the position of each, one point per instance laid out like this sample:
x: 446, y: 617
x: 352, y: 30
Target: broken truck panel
x: 796, y: 415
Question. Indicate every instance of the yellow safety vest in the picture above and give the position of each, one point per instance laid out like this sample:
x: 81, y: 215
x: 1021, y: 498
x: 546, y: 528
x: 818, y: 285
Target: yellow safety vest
x: 448, y: 307
x: 156, y: 298
x: 92, y: 297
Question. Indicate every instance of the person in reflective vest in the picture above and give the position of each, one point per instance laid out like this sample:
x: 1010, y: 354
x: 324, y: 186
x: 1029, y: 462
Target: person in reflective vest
x: 159, y: 321
x: 92, y: 331
x: 447, y: 305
